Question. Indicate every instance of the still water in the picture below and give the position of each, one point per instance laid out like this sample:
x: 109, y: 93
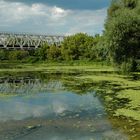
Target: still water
x: 36, y: 106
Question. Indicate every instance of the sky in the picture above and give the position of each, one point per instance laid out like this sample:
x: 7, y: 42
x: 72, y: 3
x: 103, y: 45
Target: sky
x: 53, y: 17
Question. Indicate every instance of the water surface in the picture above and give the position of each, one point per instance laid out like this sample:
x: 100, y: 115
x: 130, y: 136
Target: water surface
x: 40, y: 106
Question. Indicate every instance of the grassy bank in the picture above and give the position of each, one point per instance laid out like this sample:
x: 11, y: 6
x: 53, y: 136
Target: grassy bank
x: 53, y: 66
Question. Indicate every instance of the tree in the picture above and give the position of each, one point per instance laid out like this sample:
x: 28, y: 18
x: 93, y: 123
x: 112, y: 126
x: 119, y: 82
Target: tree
x: 18, y: 54
x: 130, y: 3
x: 42, y: 52
x: 114, y: 7
x: 122, y: 32
x: 77, y: 47
x: 54, y: 52
x: 3, y: 54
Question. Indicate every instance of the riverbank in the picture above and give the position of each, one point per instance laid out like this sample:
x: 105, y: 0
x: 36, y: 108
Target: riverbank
x: 73, y: 65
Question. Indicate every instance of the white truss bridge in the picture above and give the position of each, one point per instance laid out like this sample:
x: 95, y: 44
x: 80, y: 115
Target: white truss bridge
x: 27, y: 41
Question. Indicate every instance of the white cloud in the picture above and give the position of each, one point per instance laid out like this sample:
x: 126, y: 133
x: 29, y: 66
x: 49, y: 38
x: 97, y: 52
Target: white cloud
x: 15, y: 12
x: 41, y: 18
x: 88, y: 21
x: 58, y: 12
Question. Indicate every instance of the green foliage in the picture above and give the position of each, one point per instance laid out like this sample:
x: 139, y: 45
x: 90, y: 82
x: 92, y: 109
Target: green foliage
x: 115, y: 6
x: 48, y: 52
x: 129, y: 66
x: 42, y: 52
x: 120, y: 5
x: 100, y: 51
x: 72, y: 47
x: 54, y: 53
x: 18, y: 55
x: 3, y: 54
x: 123, y: 36
x: 32, y: 59
x: 123, y: 32
x: 78, y: 47
x: 130, y: 3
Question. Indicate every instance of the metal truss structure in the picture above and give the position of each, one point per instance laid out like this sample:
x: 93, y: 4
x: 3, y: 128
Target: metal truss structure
x: 27, y: 41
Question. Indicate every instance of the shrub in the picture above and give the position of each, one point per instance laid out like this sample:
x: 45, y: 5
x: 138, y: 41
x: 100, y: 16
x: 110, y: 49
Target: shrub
x: 18, y: 55
x: 3, y: 54
x: 54, y: 53
x: 129, y: 66
x: 42, y: 52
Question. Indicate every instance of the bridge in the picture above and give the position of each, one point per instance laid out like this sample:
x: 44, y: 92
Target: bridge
x: 27, y: 41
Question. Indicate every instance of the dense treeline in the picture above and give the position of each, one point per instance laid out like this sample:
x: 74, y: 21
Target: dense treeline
x: 75, y: 47
x: 119, y: 44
